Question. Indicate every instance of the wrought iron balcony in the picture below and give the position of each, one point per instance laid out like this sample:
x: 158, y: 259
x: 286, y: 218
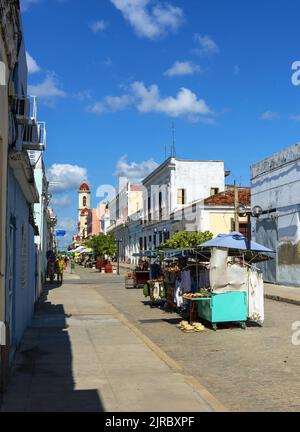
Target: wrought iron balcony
x: 25, y: 109
x: 34, y: 136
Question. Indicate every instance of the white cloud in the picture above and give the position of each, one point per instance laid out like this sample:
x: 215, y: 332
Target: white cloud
x: 149, y: 19
x: 134, y: 171
x: 147, y: 100
x: 98, y: 26
x: 65, y: 177
x: 66, y: 223
x: 32, y: 65
x: 111, y: 103
x: 69, y: 225
x: 269, y: 116
x: 63, y: 201
x: 206, y: 45
x: 182, y: 68
x: 47, y: 89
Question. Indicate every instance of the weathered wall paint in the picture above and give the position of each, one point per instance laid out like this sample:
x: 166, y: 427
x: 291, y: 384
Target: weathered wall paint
x: 276, y: 188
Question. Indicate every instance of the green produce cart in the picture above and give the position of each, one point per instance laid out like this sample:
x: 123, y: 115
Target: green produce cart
x: 223, y: 308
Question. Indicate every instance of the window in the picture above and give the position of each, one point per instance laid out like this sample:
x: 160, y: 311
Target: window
x: 84, y: 201
x: 160, y: 237
x: 181, y: 198
x: 214, y: 191
x: 149, y: 209
x: 160, y: 205
x: 141, y: 243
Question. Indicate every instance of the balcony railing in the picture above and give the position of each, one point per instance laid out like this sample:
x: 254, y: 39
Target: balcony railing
x: 25, y: 109
x: 34, y: 136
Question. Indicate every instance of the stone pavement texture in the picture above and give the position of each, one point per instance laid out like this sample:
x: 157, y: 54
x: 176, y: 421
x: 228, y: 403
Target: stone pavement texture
x: 247, y: 370
x: 79, y: 355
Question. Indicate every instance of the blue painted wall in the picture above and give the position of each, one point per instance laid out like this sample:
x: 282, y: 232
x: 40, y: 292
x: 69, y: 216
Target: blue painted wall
x: 24, y: 286
x: 24, y: 281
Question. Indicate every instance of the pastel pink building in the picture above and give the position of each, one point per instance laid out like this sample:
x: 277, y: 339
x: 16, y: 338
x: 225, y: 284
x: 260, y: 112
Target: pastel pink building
x: 94, y: 220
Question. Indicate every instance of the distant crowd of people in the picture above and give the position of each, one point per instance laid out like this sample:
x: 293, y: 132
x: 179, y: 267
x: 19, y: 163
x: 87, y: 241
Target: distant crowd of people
x: 56, y: 264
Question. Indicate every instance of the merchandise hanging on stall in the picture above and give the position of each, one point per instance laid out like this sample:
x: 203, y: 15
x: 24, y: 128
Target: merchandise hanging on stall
x: 217, y: 282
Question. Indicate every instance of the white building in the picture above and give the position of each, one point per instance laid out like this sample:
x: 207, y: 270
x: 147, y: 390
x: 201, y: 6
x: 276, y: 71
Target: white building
x: 124, y: 209
x: 170, y: 188
x: 276, y: 189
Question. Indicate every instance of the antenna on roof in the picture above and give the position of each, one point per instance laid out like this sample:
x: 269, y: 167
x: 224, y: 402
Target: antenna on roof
x: 173, y: 147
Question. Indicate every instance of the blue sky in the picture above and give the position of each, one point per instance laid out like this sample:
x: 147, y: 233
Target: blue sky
x: 112, y: 76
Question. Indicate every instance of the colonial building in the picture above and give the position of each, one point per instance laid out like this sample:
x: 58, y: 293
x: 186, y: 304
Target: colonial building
x: 276, y: 189
x: 172, y: 187
x: 95, y: 218
x: 172, y: 200
x: 124, y: 209
x: 20, y: 132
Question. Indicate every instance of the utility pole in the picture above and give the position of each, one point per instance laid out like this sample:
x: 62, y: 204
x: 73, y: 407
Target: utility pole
x: 236, y: 204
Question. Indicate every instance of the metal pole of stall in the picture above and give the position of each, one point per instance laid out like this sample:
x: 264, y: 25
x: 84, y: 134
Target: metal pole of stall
x: 249, y: 230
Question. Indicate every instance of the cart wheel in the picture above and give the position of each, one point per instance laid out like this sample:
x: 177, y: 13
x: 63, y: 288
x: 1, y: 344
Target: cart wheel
x: 243, y: 325
x: 214, y: 327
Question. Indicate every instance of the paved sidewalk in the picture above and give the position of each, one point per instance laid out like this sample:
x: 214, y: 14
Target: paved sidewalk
x: 80, y: 355
x: 283, y: 293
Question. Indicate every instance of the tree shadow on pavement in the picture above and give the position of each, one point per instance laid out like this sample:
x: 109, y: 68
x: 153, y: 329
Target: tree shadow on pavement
x: 42, y: 376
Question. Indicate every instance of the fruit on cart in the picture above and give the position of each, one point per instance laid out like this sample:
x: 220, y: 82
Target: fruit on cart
x: 172, y: 269
x: 194, y: 296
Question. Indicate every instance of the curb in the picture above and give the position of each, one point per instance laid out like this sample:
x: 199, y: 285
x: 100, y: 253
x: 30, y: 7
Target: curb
x: 282, y: 299
x: 211, y: 401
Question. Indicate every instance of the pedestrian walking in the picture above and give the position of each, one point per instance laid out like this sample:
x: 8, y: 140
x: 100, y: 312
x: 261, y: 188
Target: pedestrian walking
x: 51, y: 268
x: 60, y: 266
x: 66, y: 260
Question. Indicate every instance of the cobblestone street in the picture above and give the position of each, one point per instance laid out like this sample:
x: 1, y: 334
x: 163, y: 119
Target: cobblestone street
x: 252, y: 370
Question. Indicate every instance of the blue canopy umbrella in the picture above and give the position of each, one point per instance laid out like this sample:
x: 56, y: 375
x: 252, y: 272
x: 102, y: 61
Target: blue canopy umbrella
x: 236, y: 241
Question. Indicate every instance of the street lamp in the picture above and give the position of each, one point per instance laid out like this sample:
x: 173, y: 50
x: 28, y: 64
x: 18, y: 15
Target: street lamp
x: 243, y: 211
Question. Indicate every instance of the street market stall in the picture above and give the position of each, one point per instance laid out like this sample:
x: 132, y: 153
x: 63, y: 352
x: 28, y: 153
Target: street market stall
x: 217, y: 282
x: 236, y: 291
x: 138, y: 277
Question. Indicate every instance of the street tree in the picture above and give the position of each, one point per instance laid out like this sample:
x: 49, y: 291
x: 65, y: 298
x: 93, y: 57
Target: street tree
x: 187, y: 239
x: 103, y: 245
